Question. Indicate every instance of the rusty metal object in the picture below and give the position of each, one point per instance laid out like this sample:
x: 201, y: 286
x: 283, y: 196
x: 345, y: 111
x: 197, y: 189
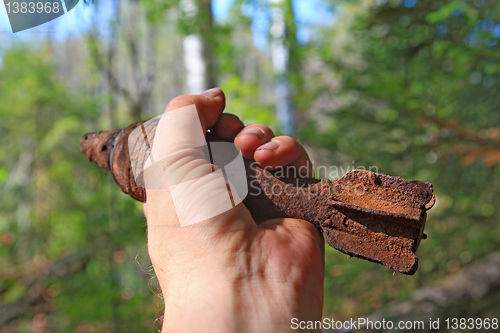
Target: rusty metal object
x: 363, y: 214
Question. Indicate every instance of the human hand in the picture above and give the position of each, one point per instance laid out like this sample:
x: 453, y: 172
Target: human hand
x: 227, y: 273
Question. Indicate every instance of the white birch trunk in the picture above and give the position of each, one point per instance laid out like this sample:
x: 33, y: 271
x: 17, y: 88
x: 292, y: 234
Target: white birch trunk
x: 194, y: 61
x: 280, y: 56
x: 194, y: 64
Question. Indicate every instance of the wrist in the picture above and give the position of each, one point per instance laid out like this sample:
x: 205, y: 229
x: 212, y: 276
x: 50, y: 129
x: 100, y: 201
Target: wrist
x: 225, y: 305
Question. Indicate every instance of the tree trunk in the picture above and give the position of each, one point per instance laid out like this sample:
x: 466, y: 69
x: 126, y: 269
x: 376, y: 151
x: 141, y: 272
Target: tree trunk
x: 199, y: 59
x: 283, y: 45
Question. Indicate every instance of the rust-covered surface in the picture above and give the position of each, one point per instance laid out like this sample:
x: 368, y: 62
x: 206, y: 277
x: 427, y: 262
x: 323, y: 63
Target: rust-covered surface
x: 110, y: 150
x: 363, y: 214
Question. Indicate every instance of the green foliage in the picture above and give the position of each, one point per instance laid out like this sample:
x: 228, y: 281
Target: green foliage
x: 242, y: 102
x: 418, y: 71
x: 411, y: 90
x: 55, y: 203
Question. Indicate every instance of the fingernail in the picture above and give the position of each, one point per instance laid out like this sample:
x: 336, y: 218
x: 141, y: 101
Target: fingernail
x: 214, y: 92
x: 253, y: 130
x: 271, y: 145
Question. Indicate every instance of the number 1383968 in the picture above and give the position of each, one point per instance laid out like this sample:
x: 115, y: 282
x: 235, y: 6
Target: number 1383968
x: 472, y: 323
x: 33, y: 7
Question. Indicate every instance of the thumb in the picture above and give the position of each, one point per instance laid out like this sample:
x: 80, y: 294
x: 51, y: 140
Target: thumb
x: 181, y: 162
x: 185, y: 121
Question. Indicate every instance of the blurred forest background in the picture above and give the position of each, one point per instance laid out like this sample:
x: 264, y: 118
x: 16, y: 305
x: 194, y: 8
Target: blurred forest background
x: 411, y: 87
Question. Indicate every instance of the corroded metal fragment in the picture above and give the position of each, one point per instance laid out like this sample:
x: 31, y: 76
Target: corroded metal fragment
x: 363, y: 214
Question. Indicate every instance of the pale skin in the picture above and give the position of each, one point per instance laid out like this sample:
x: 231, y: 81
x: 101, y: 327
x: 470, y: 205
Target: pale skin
x: 228, y: 273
